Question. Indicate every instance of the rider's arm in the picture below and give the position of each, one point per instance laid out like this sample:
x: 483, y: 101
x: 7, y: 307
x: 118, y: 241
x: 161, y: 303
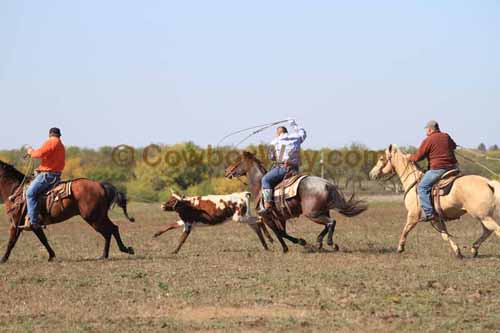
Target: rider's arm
x: 45, y: 149
x: 299, y: 132
x: 422, y: 152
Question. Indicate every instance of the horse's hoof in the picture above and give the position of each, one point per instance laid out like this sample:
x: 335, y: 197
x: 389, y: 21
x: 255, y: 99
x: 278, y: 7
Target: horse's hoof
x: 285, y: 250
x: 100, y: 258
x: 302, y: 242
x: 459, y: 255
x: 3, y: 261
x: 131, y: 250
x: 335, y: 247
x: 401, y: 249
x: 51, y: 259
x: 474, y: 252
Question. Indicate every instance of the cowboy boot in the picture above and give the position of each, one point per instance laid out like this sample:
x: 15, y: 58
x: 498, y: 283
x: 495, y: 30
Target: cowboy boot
x: 267, y: 196
x: 28, y: 226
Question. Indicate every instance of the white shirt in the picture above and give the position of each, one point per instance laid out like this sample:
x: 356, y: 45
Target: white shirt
x: 290, y: 144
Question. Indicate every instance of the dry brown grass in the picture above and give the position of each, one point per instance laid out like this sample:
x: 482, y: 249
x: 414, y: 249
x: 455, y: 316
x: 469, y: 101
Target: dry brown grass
x: 223, y: 281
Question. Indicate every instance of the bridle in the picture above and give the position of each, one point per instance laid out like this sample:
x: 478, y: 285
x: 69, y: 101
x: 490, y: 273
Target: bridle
x: 404, y: 174
x: 231, y: 175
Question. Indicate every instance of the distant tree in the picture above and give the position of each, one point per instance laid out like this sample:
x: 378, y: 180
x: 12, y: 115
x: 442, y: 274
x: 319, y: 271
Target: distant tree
x: 494, y: 148
x: 481, y: 147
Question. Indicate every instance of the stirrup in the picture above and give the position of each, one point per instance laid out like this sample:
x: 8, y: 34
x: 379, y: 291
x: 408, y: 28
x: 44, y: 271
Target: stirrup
x: 429, y: 218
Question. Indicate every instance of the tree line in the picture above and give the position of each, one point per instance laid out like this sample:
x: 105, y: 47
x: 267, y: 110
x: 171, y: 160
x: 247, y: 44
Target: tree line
x: 148, y: 173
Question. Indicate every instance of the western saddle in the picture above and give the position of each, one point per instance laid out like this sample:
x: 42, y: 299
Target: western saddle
x: 56, y: 194
x: 442, y: 188
x: 285, y: 190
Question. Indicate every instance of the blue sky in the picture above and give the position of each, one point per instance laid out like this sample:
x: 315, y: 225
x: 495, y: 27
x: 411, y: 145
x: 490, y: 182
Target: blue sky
x: 140, y: 72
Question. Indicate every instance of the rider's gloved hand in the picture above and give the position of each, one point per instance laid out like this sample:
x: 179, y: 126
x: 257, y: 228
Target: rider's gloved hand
x: 292, y: 122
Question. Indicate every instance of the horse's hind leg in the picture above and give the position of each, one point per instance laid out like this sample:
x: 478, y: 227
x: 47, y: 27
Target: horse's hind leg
x: 329, y: 229
x: 489, y: 226
x: 292, y: 239
x: 43, y: 239
x: 14, y: 234
x: 475, y: 247
x: 115, y: 231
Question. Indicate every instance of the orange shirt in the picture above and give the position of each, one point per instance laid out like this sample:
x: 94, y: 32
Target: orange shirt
x: 53, y: 155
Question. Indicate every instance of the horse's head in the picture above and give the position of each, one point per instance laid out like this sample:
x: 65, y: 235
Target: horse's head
x: 173, y: 202
x: 384, y: 164
x: 8, y: 170
x: 242, y: 165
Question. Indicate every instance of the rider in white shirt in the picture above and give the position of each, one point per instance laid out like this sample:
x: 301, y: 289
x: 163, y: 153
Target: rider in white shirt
x: 285, y: 152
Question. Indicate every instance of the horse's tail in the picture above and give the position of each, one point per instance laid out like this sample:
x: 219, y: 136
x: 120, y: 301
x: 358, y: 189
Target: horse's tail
x: 347, y: 207
x: 495, y: 187
x: 119, y: 198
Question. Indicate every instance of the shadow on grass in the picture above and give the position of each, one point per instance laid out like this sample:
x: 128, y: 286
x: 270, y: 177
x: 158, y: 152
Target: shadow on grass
x: 371, y: 250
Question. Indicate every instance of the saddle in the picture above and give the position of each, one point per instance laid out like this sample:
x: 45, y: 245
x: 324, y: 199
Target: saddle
x: 285, y: 190
x: 57, y: 193
x: 442, y: 188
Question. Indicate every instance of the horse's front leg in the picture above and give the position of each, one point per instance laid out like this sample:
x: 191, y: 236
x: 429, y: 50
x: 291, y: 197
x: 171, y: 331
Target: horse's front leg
x: 411, y: 222
x: 441, y: 227
x: 43, y: 239
x: 14, y: 234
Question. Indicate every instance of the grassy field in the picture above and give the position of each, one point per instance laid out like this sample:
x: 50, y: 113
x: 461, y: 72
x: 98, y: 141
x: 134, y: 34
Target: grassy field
x: 223, y: 281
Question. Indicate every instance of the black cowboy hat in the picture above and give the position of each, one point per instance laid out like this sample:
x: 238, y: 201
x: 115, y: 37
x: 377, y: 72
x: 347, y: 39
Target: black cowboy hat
x: 54, y: 131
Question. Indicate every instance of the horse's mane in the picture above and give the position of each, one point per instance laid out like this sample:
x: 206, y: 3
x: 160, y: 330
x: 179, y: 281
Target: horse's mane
x: 259, y: 163
x: 10, y: 171
x: 396, y: 150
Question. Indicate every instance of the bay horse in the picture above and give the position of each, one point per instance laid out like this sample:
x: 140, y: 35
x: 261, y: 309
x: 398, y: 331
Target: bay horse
x: 478, y: 196
x: 89, y: 199
x: 316, y: 196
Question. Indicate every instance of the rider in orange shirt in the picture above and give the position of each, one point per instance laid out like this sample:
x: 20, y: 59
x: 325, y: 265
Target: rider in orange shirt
x: 53, y: 154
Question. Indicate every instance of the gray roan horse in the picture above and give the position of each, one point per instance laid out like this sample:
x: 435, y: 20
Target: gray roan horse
x: 316, y: 196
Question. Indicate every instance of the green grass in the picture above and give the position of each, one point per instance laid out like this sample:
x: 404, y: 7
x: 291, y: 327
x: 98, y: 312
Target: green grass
x: 223, y: 281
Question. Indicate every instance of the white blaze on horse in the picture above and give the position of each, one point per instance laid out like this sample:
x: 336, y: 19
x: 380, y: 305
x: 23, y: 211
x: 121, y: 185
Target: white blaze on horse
x: 211, y: 210
x: 475, y: 195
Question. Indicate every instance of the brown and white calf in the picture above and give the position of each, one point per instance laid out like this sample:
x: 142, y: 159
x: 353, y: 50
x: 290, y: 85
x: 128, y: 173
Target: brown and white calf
x: 211, y: 210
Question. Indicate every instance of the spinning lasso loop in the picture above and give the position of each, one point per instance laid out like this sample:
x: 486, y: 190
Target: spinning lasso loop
x: 257, y: 129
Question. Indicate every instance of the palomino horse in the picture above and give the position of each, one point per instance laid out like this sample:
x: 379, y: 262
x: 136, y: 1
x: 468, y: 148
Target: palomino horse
x: 91, y: 200
x: 475, y: 195
x: 316, y: 196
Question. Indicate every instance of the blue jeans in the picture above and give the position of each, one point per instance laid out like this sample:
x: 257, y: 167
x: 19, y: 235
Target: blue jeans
x: 425, y: 187
x: 42, y: 183
x: 273, y: 177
